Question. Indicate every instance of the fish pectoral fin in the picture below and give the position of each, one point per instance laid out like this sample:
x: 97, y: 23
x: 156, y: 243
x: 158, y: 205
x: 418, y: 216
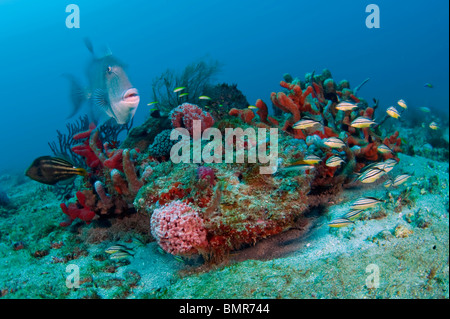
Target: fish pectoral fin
x: 99, y: 97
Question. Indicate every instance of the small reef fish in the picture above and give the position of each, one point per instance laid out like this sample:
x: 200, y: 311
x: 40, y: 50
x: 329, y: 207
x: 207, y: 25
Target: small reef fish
x: 116, y: 248
x: 334, y: 142
x: 121, y: 254
x: 305, y: 124
x: 178, y: 89
x: 340, y: 222
x: 425, y: 109
x: 204, y: 97
x: 400, y: 179
x: 365, y: 202
x: 51, y: 170
x: 297, y: 167
x: 387, y: 183
x: 334, y: 161
x: 183, y: 94
x: 252, y: 107
x: 346, y: 106
x: 384, y: 149
x: 386, y: 166
x: 402, y: 103
x: 433, y: 126
x: 312, y: 159
x: 353, y: 214
x: 428, y: 85
x: 153, y: 103
x: 361, y: 122
x: 371, y: 175
x: 392, y: 112
x: 110, y: 92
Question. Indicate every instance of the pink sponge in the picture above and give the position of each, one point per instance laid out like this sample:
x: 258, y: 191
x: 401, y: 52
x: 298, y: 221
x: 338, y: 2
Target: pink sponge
x: 178, y: 229
x: 184, y: 115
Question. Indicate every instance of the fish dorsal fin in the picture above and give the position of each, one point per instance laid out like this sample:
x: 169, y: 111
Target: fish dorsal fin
x: 108, y: 51
x: 89, y: 45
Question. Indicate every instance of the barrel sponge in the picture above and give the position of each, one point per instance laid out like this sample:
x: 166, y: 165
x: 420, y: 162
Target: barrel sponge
x: 178, y: 229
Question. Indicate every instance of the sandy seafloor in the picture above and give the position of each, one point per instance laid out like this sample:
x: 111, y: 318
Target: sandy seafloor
x: 405, y: 244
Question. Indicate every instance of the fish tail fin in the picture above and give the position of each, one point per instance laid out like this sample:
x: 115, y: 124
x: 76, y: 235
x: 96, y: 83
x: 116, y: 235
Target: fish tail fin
x: 77, y: 94
x: 82, y: 171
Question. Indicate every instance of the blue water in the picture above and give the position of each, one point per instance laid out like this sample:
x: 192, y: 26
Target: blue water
x: 256, y: 41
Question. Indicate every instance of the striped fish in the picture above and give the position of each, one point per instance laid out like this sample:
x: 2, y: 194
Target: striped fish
x: 116, y: 248
x: 400, y: 179
x: 386, y: 166
x: 353, y: 214
x: 334, y: 161
x: 334, y: 142
x: 384, y: 149
x: 340, y: 222
x: 306, y: 123
x: 433, y: 126
x: 312, y: 159
x: 346, y: 106
x: 365, y: 202
x: 402, y: 103
x: 121, y: 254
x: 387, y: 183
x: 51, y: 170
x: 183, y: 94
x: 204, y: 97
x: 392, y: 112
x: 371, y: 175
x: 361, y: 122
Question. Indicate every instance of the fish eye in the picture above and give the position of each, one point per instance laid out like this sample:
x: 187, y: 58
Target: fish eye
x: 109, y: 69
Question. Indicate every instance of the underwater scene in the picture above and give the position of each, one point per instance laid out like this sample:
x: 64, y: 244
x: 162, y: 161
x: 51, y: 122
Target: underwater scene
x: 194, y: 150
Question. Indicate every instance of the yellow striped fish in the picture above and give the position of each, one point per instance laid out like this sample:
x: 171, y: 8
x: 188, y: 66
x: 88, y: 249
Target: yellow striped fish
x: 361, y: 122
x: 434, y: 126
x: 371, y: 175
x: 402, y: 103
x: 392, y: 112
x: 346, y: 106
x: 311, y: 159
x: 334, y: 142
x: 252, y: 107
x: 334, y: 161
x: 400, y: 179
x: 340, y: 222
x: 204, y: 97
x: 365, y: 202
x: 387, y: 183
x: 384, y: 149
x: 183, y: 94
x: 306, y: 123
x: 51, y: 170
x: 116, y: 248
x: 353, y: 214
x: 387, y: 165
x: 121, y: 254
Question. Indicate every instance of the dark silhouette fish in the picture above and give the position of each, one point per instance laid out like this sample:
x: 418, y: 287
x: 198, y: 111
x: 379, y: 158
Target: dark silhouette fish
x: 51, y: 170
x: 110, y: 92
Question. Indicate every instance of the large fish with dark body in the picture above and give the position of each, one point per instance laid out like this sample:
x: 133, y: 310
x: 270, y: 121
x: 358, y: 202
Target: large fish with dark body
x: 51, y: 170
x: 110, y: 92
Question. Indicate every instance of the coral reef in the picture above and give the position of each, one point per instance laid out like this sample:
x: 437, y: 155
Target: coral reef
x: 213, y: 208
